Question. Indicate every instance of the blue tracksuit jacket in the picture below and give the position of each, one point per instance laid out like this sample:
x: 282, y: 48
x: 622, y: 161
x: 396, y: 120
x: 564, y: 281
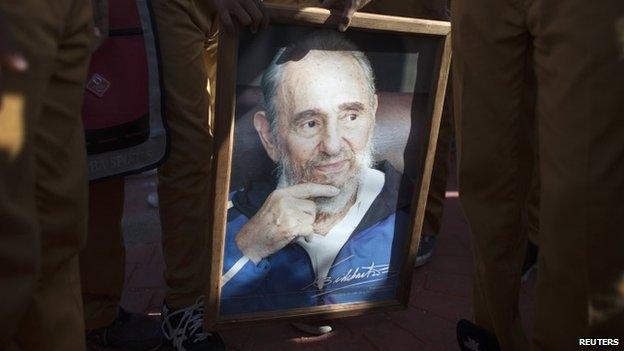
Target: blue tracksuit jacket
x: 365, y: 269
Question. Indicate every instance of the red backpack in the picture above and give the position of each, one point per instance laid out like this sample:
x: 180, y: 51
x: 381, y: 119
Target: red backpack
x: 123, y: 110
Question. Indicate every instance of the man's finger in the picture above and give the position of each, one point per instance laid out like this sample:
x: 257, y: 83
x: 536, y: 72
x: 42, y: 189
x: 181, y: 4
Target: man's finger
x: 347, y: 15
x: 265, y: 15
x: 225, y: 19
x: 306, y: 206
x: 254, y: 12
x: 307, y: 232
x: 241, y: 15
x: 308, y: 190
x: 307, y: 218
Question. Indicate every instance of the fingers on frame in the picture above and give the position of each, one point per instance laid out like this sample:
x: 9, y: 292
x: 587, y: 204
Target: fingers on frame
x: 241, y: 15
x: 224, y: 17
x: 254, y: 12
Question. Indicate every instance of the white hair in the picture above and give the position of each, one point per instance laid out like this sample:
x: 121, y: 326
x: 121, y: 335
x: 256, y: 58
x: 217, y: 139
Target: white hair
x: 327, y: 43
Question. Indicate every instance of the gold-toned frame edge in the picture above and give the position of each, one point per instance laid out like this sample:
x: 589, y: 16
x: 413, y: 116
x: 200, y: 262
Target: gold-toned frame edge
x: 223, y: 150
x: 285, y: 14
x: 436, y: 108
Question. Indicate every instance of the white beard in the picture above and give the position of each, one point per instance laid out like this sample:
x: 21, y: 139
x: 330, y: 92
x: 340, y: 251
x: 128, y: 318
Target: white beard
x: 329, y: 205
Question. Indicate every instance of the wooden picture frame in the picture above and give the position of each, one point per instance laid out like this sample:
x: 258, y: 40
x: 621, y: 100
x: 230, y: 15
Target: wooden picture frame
x: 224, y: 146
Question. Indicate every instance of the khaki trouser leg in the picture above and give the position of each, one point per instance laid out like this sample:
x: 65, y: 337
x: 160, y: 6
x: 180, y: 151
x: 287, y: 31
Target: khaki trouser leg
x: 495, y: 159
x: 184, y: 180
x: 54, y: 320
x: 579, y: 63
x: 20, y: 239
x: 437, y: 188
x: 579, y: 74
x: 102, y: 262
x: 55, y: 37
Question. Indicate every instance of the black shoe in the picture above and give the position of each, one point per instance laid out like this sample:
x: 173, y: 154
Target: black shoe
x: 425, y: 249
x: 471, y: 337
x: 129, y: 331
x: 530, y: 260
x: 184, y: 329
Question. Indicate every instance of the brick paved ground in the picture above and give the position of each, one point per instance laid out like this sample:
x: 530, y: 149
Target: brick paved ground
x: 441, y: 291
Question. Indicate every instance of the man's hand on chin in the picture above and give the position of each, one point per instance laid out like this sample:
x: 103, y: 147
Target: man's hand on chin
x: 286, y: 214
x: 348, y: 7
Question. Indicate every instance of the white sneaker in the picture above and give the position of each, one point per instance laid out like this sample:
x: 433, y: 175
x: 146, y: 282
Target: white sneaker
x: 184, y: 328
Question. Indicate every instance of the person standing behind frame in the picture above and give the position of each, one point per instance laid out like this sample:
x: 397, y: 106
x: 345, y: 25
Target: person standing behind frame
x: 576, y: 50
x: 43, y: 172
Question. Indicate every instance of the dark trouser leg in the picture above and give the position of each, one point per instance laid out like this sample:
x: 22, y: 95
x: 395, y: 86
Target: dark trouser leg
x: 102, y: 262
x: 579, y: 67
x: 491, y: 81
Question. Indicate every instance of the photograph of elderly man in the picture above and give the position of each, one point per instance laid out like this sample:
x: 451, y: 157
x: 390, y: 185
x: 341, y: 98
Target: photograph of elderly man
x: 323, y: 232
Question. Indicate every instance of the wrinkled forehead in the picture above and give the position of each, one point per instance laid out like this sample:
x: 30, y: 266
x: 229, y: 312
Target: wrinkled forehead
x: 323, y: 80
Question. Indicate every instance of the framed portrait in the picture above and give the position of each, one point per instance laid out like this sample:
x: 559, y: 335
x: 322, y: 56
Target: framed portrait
x: 324, y: 147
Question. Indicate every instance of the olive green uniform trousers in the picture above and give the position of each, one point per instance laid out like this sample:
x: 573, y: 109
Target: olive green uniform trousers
x: 573, y: 53
x: 43, y: 182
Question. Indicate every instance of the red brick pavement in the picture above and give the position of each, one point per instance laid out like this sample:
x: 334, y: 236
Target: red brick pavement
x: 441, y: 293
